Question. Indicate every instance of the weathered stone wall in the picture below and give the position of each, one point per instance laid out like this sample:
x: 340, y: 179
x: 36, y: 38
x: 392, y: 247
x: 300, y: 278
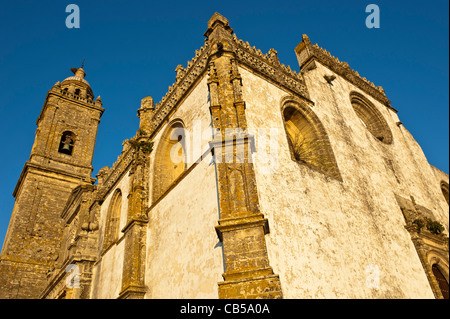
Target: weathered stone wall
x: 184, y: 255
x: 328, y: 238
x: 32, y: 228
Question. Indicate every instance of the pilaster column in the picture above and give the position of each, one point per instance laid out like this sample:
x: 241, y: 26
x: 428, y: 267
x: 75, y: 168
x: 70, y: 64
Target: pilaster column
x: 241, y: 227
x: 135, y: 231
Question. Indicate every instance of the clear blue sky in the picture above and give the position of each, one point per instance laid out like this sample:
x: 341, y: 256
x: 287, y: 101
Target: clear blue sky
x: 133, y: 47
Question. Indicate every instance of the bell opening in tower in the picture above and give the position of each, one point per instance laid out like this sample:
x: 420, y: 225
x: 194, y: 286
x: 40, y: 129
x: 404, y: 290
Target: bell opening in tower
x: 67, y: 142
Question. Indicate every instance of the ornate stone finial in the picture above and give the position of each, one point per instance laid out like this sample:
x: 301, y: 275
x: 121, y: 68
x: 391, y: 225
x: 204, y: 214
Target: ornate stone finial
x: 217, y: 17
x: 305, y: 39
x: 234, y: 72
x: 147, y: 103
x: 180, y: 72
x: 273, y: 56
x: 98, y: 101
x: 145, y: 114
x: 79, y: 72
x: 101, y: 175
x: 212, y: 73
x: 57, y: 86
x: 218, y: 20
x: 125, y: 145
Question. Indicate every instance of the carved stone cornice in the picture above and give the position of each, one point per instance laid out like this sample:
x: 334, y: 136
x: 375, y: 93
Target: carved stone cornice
x: 56, y: 95
x: 266, y: 65
x: 135, y: 153
x: 184, y: 80
x: 307, y: 53
x: 270, y: 67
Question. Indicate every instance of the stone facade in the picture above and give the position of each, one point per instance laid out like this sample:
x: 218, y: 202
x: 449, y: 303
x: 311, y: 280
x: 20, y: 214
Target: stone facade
x: 247, y: 180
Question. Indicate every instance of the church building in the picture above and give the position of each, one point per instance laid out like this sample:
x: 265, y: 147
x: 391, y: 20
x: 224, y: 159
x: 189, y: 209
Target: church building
x: 247, y: 180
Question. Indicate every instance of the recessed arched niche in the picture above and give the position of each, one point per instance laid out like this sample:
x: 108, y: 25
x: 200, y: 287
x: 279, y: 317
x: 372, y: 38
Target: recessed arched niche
x: 308, y: 141
x: 170, y: 158
x: 113, y: 220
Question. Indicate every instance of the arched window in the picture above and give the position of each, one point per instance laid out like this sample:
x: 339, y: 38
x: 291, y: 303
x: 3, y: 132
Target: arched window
x: 66, y: 143
x: 442, y: 282
x: 113, y: 220
x: 170, y: 160
x: 444, y: 189
x: 308, y: 141
x: 371, y: 118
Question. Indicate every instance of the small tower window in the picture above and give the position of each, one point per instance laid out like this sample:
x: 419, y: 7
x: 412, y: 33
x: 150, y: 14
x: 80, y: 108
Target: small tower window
x: 77, y: 92
x: 67, y: 142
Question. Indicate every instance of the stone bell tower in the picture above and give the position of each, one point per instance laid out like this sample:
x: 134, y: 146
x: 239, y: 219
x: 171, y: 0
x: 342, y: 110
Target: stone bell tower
x: 61, y: 159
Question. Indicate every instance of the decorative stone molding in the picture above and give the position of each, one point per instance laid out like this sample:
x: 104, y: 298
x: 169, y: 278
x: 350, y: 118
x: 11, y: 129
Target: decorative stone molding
x: 270, y: 67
